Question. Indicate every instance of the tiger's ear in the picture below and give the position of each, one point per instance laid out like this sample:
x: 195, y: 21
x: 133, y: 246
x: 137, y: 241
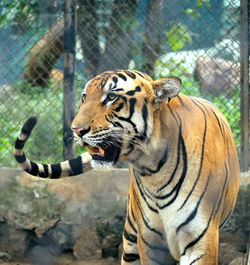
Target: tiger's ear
x: 166, y: 88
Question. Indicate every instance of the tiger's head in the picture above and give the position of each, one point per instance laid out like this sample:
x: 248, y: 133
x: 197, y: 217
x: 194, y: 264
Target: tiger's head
x: 116, y: 114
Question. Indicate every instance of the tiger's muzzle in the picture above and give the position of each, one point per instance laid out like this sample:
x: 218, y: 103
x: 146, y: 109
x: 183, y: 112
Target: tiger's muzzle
x: 104, y: 149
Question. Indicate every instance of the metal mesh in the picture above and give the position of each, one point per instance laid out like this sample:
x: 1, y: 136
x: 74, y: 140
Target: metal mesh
x: 196, y: 40
x: 27, y: 86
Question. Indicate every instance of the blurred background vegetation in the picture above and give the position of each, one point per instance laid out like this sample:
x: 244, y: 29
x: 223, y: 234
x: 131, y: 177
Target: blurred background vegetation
x: 196, y: 40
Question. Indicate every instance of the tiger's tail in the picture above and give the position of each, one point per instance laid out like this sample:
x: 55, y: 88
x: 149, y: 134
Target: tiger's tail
x: 71, y: 167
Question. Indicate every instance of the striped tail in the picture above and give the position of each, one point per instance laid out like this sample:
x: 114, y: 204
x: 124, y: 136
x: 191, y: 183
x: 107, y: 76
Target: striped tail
x: 66, y: 168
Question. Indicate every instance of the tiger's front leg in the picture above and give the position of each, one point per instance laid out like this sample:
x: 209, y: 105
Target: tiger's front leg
x: 144, y: 249
x: 144, y: 241
x: 202, y: 249
x: 130, y: 254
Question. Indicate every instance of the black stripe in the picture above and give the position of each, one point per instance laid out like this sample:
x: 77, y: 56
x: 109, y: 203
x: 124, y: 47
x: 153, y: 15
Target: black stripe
x: 103, y: 81
x: 222, y: 192
x: 202, y: 155
x: 117, y: 89
x: 218, y: 121
x: 143, y: 136
x: 177, y: 187
x: 131, y: 238
x: 133, y: 214
x: 130, y: 222
x: 213, y: 213
x: 76, y: 166
x: 146, y: 171
x: 122, y: 76
x: 149, y: 227
x: 41, y: 174
x: 130, y: 74
x: 221, y: 196
x: 117, y: 109
x: 130, y: 149
x: 56, y: 171
x: 181, y: 101
x: 127, y: 120
x: 204, y: 106
x: 172, y: 113
x: 20, y: 158
x: 115, y: 80
x: 130, y: 257
x: 46, y: 170
x: 196, y: 240
x: 19, y: 144
x: 117, y: 124
x: 154, y: 247
x: 198, y: 258
x: 226, y: 219
x: 132, y: 102
x: 144, y: 194
x: 144, y: 218
x: 178, y: 150
x: 176, y: 165
x: 28, y: 126
x: 132, y: 92
x: 34, y: 169
x: 194, y: 212
x: 124, y: 99
x: 141, y: 74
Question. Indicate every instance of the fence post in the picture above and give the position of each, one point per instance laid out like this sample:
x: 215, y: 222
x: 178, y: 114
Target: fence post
x: 244, y: 81
x: 69, y: 76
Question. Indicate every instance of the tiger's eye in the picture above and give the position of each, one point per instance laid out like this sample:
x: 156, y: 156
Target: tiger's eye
x: 111, y: 96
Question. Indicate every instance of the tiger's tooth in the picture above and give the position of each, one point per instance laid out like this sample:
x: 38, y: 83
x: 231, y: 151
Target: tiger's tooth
x: 101, y: 151
x: 89, y: 149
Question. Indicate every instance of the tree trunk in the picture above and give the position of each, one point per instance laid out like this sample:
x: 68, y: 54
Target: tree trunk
x: 89, y: 35
x: 153, y: 33
x: 119, y: 36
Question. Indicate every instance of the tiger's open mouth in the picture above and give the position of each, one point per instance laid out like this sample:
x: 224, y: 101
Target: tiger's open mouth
x: 105, y: 152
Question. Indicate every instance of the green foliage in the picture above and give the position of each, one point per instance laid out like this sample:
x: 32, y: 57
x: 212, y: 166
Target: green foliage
x: 200, y: 3
x: 179, y: 69
x: 178, y: 36
x: 194, y: 12
x: 27, y: 88
x: 230, y: 107
x: 128, y: 24
x: 46, y: 143
x: 18, y: 11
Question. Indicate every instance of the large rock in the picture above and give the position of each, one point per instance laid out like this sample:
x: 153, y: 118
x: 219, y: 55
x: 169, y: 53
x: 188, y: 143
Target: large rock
x: 88, y: 245
x: 217, y: 76
x: 59, y: 214
x: 232, y: 247
x: 33, y: 203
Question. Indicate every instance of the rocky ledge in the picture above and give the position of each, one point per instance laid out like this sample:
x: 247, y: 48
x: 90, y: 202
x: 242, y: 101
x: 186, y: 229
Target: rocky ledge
x: 79, y: 220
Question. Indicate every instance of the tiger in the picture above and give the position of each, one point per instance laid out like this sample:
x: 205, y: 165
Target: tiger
x: 183, y: 164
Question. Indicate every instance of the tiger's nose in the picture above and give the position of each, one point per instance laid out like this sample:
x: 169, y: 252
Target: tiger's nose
x: 80, y: 131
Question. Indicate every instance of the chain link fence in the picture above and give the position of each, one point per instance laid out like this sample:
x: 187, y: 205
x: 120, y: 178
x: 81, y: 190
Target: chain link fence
x: 196, y: 40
